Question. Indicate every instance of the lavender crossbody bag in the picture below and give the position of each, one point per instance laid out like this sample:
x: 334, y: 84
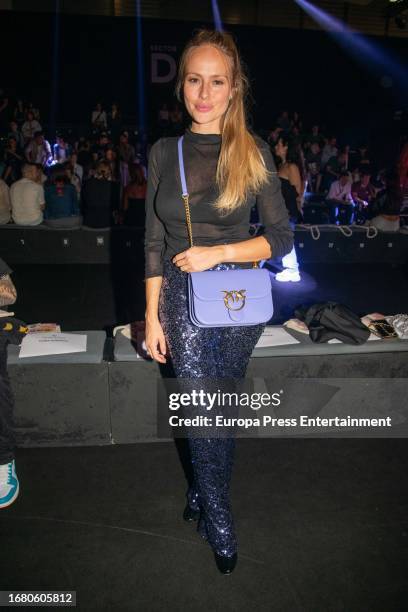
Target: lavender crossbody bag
x: 223, y: 298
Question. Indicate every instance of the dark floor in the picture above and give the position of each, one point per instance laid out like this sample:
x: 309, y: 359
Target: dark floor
x: 322, y: 527
x: 93, y: 297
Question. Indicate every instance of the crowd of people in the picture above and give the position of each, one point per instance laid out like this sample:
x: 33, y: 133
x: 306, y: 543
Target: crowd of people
x: 100, y: 179
x: 347, y: 182
x: 97, y: 180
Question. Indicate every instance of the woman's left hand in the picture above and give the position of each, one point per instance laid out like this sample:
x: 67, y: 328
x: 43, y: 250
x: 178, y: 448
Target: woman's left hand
x: 197, y: 259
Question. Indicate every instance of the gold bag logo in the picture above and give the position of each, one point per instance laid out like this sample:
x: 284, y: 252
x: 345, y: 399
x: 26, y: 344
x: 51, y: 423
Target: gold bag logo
x: 233, y: 297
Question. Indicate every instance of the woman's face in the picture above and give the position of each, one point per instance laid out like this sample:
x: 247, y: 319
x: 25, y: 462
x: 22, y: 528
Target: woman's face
x: 207, y: 87
x: 281, y: 149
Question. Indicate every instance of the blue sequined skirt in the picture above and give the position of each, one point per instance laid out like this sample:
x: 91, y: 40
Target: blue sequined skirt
x: 211, y: 353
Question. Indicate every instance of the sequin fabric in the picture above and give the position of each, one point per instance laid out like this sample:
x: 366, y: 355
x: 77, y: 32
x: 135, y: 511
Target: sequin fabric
x: 211, y: 353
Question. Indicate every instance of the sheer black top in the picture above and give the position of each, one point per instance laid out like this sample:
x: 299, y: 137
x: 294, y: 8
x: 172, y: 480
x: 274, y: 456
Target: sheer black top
x: 166, y: 229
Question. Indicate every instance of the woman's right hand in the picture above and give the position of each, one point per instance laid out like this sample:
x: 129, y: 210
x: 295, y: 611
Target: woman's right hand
x: 155, y: 340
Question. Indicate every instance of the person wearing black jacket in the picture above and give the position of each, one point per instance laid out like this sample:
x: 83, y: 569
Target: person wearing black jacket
x: 100, y: 197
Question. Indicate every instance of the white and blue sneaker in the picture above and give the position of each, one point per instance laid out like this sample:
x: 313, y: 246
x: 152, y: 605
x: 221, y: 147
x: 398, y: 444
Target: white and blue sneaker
x: 9, y: 485
x: 287, y: 275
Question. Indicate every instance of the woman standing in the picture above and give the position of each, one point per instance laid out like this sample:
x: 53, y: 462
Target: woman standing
x: 228, y: 170
x: 292, y: 176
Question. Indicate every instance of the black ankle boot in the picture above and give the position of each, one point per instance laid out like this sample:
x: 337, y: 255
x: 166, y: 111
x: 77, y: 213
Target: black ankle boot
x: 225, y: 564
x: 190, y: 515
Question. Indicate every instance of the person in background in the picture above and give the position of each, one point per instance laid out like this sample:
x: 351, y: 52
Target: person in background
x: 84, y: 157
x: 134, y: 197
x: 361, y: 158
x: 126, y: 156
x: 283, y: 121
x: 19, y: 112
x: 61, y: 150
x: 163, y: 118
x: 77, y: 169
x: 73, y: 178
x: 386, y: 207
x: 111, y: 159
x: 30, y: 108
x: 363, y: 193
x: 329, y: 150
x: 11, y: 331
x: 13, y: 160
x: 273, y: 136
x: 316, y: 136
x: 99, y: 148
x: 339, y: 199
x: 5, y: 203
x: 15, y: 133
x: 334, y: 167
x: 292, y: 176
x: 61, y: 201
x: 313, y: 161
x: 296, y: 122
x: 98, y: 119
x: 38, y: 151
x: 100, y: 197
x: 30, y: 127
x: 114, y: 122
x: 27, y: 197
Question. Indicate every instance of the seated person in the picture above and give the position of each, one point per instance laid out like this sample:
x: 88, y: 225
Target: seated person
x: 387, y: 205
x: 363, y: 192
x: 61, y: 201
x: 313, y: 160
x: 100, y: 197
x: 38, y: 151
x: 61, y: 150
x: 334, y: 167
x: 30, y: 127
x: 27, y: 197
x: 5, y: 204
x: 13, y: 160
x: 339, y: 200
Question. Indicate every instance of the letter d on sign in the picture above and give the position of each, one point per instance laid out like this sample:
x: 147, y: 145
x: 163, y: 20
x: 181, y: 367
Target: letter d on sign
x: 171, y: 68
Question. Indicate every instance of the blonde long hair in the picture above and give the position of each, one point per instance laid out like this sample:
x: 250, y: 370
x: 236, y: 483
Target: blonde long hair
x: 241, y: 168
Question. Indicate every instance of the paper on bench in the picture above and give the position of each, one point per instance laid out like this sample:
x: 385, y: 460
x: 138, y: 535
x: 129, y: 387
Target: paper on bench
x: 370, y: 337
x: 47, y: 343
x: 275, y: 336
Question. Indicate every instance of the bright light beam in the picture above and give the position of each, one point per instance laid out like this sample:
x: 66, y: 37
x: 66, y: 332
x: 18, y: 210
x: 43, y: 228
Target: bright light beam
x: 370, y: 55
x: 55, y: 75
x: 140, y: 70
x: 216, y: 16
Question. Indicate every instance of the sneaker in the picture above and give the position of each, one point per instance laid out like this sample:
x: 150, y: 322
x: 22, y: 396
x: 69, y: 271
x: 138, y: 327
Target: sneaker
x: 288, y: 275
x: 9, y: 485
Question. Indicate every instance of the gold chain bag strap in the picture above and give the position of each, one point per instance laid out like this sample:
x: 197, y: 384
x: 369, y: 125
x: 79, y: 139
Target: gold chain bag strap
x: 219, y: 298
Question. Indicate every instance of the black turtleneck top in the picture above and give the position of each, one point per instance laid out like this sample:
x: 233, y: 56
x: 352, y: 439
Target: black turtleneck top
x: 166, y: 229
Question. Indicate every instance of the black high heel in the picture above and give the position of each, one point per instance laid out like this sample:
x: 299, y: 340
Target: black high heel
x: 190, y: 515
x: 226, y: 564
